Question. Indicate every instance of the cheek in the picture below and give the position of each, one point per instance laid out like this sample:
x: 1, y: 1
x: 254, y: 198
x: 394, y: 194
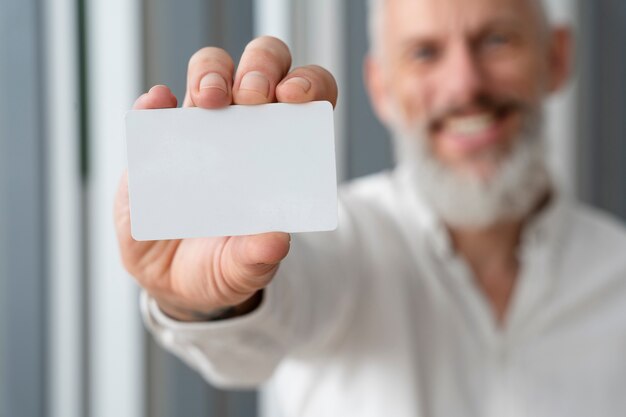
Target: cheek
x: 521, y: 79
x: 412, y: 95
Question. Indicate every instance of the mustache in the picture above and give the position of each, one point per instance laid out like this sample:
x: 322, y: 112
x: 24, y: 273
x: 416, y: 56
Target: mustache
x: 499, y: 106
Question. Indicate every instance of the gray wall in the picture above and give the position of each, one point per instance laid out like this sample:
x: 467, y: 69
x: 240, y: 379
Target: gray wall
x: 22, y: 209
x: 602, y: 122
x: 368, y: 148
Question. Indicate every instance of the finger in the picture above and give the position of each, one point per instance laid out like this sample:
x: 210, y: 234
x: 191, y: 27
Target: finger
x: 154, y: 257
x: 306, y: 84
x: 209, y: 79
x: 159, y: 97
x: 263, y: 64
x: 130, y: 249
x: 262, y: 249
x: 253, y: 260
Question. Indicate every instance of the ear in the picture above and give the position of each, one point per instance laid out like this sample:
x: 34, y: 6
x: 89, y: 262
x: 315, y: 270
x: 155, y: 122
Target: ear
x: 560, y: 58
x: 376, y: 87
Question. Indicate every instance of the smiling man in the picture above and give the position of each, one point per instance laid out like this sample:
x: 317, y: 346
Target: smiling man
x: 462, y: 283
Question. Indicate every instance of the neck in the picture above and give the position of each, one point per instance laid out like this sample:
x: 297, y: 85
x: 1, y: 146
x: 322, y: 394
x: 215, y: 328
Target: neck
x: 493, y: 247
x: 491, y: 254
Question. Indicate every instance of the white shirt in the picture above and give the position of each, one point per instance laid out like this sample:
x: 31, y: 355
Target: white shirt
x: 381, y: 318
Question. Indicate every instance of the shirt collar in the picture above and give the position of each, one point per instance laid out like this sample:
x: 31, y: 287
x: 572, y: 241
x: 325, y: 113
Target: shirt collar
x: 545, y: 228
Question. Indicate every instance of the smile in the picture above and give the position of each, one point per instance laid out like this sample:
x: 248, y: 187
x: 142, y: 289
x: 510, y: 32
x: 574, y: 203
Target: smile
x: 473, y: 132
x: 469, y: 126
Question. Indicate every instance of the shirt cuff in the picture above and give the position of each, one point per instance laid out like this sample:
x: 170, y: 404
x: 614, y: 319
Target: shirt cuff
x: 169, y: 328
x: 240, y: 352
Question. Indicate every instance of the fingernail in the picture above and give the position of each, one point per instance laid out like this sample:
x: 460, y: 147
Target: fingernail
x: 300, y: 82
x: 213, y: 80
x: 257, y: 82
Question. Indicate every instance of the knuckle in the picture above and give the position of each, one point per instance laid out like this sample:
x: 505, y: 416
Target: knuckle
x: 210, y: 54
x: 319, y: 69
x: 270, y: 46
x: 314, y: 72
x: 324, y: 74
x: 322, y: 79
x: 240, y: 285
x: 217, y: 289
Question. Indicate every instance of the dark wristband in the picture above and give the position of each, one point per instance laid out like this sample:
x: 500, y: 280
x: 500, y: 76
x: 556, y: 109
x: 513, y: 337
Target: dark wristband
x: 180, y: 314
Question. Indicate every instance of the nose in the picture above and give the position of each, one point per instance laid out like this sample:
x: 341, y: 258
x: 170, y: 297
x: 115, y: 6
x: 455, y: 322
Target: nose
x: 462, y: 81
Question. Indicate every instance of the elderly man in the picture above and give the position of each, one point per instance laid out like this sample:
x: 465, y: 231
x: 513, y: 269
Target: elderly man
x: 463, y: 283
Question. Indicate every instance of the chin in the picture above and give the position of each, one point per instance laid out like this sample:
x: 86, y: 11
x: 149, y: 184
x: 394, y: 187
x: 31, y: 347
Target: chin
x: 491, y: 188
x: 481, y: 165
x: 478, y: 172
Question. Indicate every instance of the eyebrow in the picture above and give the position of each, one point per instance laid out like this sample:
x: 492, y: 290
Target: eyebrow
x: 503, y: 22
x: 500, y: 22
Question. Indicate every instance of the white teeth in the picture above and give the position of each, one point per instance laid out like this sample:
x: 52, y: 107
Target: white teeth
x: 470, y: 125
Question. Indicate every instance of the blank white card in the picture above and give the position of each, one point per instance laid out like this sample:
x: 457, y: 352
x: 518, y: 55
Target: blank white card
x: 235, y: 171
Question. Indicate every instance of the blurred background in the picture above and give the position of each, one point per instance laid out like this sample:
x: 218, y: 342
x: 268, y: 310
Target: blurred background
x: 71, y: 339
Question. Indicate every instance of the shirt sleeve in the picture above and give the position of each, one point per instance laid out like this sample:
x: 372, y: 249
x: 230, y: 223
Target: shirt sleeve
x: 304, y: 310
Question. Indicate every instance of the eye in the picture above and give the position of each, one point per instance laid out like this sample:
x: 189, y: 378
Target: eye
x: 496, y: 40
x: 425, y: 53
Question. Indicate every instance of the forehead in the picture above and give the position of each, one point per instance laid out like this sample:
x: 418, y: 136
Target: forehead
x: 444, y: 16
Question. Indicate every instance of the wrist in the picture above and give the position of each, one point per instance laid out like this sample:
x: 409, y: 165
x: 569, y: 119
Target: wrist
x: 224, y: 313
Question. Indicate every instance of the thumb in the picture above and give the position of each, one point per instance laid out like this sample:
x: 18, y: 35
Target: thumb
x: 250, y: 262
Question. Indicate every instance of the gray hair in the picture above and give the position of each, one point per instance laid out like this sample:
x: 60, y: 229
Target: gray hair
x: 376, y: 20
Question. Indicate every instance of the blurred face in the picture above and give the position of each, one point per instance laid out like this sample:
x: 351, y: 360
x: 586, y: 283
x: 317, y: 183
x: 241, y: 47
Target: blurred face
x: 468, y: 72
x: 464, y: 80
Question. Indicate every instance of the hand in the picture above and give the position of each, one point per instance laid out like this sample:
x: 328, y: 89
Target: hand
x: 191, y: 278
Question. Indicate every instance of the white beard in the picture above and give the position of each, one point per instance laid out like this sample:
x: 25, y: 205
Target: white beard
x: 520, y: 180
